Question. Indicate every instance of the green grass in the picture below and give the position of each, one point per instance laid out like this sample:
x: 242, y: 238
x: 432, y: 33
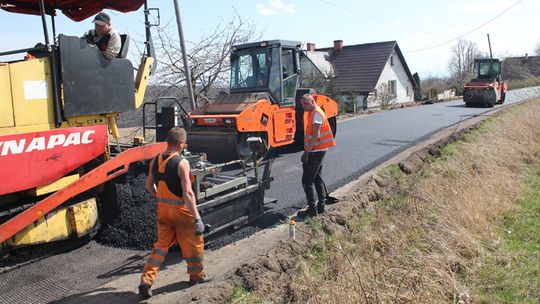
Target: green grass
x: 240, y: 295
x: 511, y: 273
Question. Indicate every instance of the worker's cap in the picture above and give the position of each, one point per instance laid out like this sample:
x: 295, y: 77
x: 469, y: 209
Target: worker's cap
x: 102, y: 19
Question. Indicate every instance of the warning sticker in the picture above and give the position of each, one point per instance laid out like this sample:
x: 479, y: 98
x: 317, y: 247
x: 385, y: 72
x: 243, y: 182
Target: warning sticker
x: 35, y: 89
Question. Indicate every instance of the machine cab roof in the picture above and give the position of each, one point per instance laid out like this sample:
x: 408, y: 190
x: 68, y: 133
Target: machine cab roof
x: 269, y: 66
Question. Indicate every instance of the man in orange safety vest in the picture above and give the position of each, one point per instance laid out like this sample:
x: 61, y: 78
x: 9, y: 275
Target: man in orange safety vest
x: 178, y: 220
x: 318, y: 138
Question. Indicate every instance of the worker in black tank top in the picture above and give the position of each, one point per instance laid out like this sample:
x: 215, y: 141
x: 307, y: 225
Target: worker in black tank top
x: 178, y: 220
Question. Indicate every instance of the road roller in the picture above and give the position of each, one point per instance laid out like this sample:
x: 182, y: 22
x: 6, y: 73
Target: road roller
x: 487, y: 87
x: 263, y: 101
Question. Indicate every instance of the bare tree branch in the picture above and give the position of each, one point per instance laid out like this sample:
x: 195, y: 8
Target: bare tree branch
x: 461, y: 63
x: 208, y: 58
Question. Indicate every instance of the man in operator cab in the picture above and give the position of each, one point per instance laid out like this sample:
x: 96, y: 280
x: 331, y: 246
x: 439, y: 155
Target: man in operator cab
x: 104, y: 36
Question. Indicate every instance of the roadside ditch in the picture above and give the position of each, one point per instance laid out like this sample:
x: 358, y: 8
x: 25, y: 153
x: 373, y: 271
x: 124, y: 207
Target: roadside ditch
x: 411, y: 231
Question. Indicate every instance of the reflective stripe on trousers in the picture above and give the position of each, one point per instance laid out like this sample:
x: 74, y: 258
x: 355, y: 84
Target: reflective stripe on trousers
x: 175, y: 225
x: 170, y: 201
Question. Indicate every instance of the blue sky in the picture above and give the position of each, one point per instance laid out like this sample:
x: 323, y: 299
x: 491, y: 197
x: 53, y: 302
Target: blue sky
x: 414, y: 24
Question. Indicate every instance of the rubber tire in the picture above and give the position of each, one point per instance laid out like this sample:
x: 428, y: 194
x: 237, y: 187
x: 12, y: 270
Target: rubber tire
x: 503, y: 98
x: 468, y: 104
x: 333, y: 125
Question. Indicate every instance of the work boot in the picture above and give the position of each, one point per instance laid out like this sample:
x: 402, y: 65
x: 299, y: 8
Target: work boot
x: 331, y: 200
x: 144, y: 291
x: 320, y: 207
x: 311, y: 211
x: 202, y: 280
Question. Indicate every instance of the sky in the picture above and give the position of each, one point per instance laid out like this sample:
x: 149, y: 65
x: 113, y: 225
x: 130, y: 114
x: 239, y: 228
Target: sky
x: 425, y: 30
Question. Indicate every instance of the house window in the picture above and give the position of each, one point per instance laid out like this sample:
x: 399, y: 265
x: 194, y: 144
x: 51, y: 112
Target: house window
x: 392, y: 87
x: 391, y: 60
x: 407, y: 90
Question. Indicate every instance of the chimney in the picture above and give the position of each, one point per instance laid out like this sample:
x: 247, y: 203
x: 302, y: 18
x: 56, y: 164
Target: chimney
x: 310, y: 47
x: 338, y: 46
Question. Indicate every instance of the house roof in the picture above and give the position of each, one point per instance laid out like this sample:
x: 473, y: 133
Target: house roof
x: 321, y: 61
x: 359, y: 67
x: 521, y: 67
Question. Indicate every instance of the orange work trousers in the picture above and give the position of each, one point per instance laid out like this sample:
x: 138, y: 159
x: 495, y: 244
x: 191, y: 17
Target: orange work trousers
x: 175, y: 224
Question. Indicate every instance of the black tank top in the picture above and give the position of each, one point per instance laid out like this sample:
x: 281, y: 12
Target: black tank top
x: 170, y: 176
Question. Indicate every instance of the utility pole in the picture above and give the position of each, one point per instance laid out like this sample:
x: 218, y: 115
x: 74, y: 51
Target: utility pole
x: 184, y: 56
x: 489, y: 43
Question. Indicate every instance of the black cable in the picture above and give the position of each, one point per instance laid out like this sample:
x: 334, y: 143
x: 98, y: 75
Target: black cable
x: 352, y: 10
x: 465, y: 34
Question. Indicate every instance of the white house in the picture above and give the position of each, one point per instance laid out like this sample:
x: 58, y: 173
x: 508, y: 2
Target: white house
x: 361, y: 71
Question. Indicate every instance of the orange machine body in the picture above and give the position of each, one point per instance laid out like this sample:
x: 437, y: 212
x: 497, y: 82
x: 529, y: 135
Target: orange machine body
x: 261, y: 116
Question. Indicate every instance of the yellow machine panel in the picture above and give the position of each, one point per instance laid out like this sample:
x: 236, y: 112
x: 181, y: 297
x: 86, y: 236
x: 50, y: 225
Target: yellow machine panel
x: 83, y: 217
x: 73, y: 221
x: 6, y: 102
x: 54, y: 186
x: 32, y: 92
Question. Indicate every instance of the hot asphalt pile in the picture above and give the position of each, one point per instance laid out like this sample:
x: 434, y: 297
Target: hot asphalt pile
x: 130, y: 214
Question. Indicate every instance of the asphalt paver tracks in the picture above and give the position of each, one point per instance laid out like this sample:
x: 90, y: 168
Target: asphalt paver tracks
x: 69, y: 273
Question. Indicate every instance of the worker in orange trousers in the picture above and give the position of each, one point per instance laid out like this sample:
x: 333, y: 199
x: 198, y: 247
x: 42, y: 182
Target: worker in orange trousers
x: 178, y: 220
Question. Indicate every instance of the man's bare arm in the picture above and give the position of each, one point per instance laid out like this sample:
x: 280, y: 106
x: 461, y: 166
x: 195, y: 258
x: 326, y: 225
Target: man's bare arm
x: 189, y: 197
x: 150, y: 185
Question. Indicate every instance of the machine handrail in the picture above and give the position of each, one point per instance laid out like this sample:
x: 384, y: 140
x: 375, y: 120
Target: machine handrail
x: 38, y: 48
x: 155, y: 103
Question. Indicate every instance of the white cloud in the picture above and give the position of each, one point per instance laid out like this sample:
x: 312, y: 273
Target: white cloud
x: 265, y: 11
x: 275, y: 7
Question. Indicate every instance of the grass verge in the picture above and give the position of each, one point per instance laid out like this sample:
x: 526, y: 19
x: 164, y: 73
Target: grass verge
x: 511, y: 272
x: 440, y: 236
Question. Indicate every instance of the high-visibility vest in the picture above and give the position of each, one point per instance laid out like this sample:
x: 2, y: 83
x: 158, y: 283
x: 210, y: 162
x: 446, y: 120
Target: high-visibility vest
x: 165, y: 171
x: 325, y: 138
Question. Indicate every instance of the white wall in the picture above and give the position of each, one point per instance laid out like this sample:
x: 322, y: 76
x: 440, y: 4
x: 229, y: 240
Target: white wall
x: 397, y: 73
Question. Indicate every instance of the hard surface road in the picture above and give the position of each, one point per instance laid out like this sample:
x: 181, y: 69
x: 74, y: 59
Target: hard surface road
x: 362, y: 143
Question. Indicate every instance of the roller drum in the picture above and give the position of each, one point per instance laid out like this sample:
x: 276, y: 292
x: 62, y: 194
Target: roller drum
x: 220, y: 145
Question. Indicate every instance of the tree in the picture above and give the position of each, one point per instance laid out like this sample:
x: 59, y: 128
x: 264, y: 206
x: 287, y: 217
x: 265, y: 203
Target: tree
x: 432, y: 85
x: 312, y: 78
x: 208, y: 58
x: 331, y: 90
x: 418, y: 90
x: 461, y: 63
x: 383, y: 95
